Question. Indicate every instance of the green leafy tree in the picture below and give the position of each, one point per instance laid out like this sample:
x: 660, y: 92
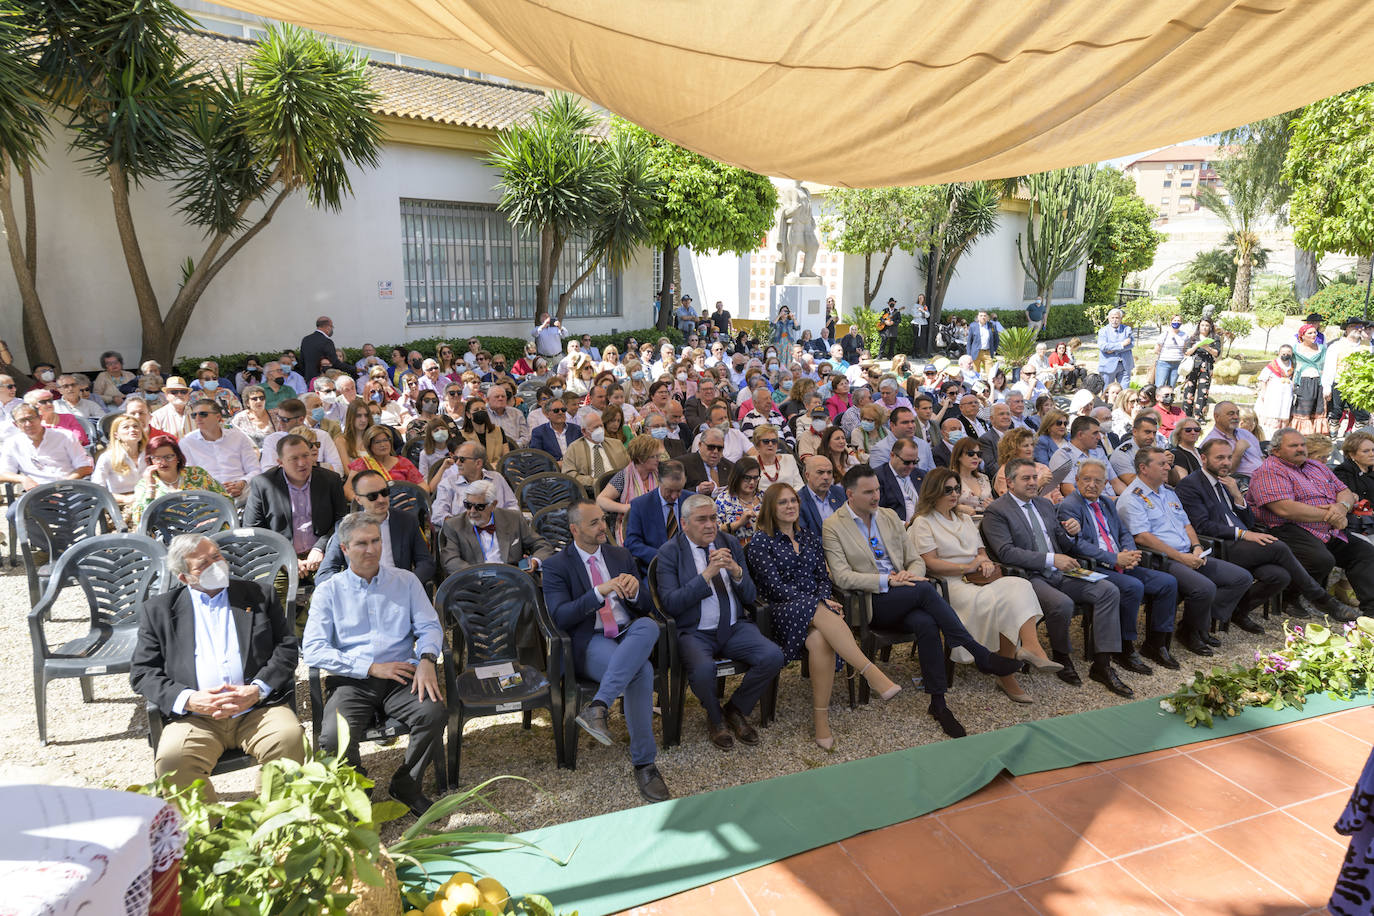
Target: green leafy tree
x: 22, y: 135
x: 1124, y: 243
x: 876, y: 222
x: 1067, y: 207
x: 704, y: 205
x: 235, y: 145
x: 559, y: 181
x: 1215, y: 266
x: 1250, y: 188
x: 960, y: 215
x: 1330, y: 166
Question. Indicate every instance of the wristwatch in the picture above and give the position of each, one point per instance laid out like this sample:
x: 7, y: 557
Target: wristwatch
x: 429, y: 657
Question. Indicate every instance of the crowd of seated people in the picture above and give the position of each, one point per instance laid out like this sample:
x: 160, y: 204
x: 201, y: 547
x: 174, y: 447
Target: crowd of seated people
x: 943, y: 507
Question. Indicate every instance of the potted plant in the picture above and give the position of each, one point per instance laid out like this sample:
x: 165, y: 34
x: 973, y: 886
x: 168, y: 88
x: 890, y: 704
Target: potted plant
x: 1014, y: 347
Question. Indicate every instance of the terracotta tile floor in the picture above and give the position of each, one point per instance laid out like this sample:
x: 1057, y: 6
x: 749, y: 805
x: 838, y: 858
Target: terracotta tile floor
x: 1240, y: 826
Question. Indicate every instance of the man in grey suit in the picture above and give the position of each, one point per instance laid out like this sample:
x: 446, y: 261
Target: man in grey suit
x: 484, y: 533
x: 1021, y: 529
x: 1000, y: 421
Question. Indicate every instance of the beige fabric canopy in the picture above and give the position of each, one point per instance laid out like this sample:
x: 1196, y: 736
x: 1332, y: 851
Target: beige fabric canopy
x: 886, y: 92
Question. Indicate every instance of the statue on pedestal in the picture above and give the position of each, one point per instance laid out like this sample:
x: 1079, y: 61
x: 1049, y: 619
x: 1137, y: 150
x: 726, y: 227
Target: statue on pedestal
x: 796, y: 233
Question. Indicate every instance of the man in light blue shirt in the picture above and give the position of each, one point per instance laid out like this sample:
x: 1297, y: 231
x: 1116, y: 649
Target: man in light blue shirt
x: 1114, y: 357
x: 373, y: 630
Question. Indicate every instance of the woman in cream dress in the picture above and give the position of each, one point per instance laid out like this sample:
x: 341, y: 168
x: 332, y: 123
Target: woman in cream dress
x: 1001, y: 615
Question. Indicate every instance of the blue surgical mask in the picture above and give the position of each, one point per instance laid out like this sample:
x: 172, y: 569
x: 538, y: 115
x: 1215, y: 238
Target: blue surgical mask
x: 440, y: 436
x: 867, y: 425
x: 787, y: 385
x: 317, y: 414
x: 1175, y: 325
x: 659, y: 432
x: 557, y: 392
x: 209, y: 384
x: 637, y: 375
x: 956, y: 436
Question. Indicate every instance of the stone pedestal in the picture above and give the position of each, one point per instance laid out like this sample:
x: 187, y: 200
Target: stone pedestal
x: 806, y: 301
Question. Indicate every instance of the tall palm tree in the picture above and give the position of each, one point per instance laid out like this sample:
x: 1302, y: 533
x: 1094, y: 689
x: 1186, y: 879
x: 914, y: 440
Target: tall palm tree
x: 1250, y: 192
x: 963, y: 213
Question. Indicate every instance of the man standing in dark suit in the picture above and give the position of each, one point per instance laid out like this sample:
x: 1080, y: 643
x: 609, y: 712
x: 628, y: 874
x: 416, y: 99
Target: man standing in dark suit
x: 888, y: 323
x: 821, y: 496
x: 557, y: 434
x: 851, y: 343
x: 218, y: 659
x: 899, y: 481
x: 299, y: 501
x: 1217, y: 509
x: 1020, y: 528
x: 708, y: 469
x: 657, y: 515
x: 594, y: 594
x: 317, y: 346
x: 1103, y: 538
x: 485, y: 533
x: 704, y: 586
x: 401, y: 531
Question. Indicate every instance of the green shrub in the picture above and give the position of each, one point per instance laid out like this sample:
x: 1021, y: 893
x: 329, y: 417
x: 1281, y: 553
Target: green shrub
x: 1356, y: 378
x: 511, y: 347
x: 1101, y: 285
x: 1070, y: 319
x: 1194, y: 297
x: 1141, y: 313
x: 1337, y: 302
x: 1234, y: 327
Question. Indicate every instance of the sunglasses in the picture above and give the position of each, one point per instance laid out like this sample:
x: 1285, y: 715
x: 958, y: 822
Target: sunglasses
x: 376, y: 494
x: 556, y: 410
x: 1190, y: 429
x: 713, y: 448
x: 201, y: 413
x: 751, y: 477
x: 257, y: 397
x: 950, y: 490
x: 1061, y: 422
x: 768, y: 442
x: 477, y: 506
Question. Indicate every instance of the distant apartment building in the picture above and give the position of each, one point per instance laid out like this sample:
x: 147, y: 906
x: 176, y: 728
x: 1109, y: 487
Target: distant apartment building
x: 1169, y: 179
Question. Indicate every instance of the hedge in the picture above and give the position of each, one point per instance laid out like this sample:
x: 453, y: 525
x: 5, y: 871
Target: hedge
x: 1336, y: 302
x: 511, y: 347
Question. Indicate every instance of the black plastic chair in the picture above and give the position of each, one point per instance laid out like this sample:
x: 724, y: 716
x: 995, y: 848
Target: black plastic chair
x: 52, y: 517
x: 526, y: 462
x: 106, y: 422
x: 578, y: 691
x: 260, y: 556
x: 482, y: 607
x: 677, y: 677
x: 116, y: 573
x: 9, y: 494
x: 410, y: 451
x: 876, y: 642
x: 412, y: 498
x: 544, y: 490
x: 187, y: 511
x: 551, y: 523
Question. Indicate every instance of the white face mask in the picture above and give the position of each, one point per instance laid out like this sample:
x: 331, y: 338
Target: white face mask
x: 682, y: 376
x: 214, y: 577
x: 209, y: 384
x: 45, y: 376
x: 597, y: 435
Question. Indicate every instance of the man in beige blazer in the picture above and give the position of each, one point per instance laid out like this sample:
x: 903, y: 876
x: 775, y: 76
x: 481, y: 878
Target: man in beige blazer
x: 594, y: 454
x: 867, y: 552
x: 485, y: 533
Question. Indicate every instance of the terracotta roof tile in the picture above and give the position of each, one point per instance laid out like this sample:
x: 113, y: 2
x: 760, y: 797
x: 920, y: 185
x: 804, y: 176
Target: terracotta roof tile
x: 405, y: 92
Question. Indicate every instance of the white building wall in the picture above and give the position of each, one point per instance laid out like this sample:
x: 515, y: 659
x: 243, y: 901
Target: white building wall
x: 307, y: 262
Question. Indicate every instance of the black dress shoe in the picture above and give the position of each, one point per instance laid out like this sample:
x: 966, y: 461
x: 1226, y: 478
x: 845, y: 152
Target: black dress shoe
x: 1248, y: 624
x: 1107, y: 678
x: 740, y: 726
x: 1158, y: 652
x: 1069, y: 674
x: 408, y: 792
x: 1133, y: 662
x: 948, y: 723
x: 1195, y: 643
x: 720, y: 735
x: 651, y: 784
x: 1334, y: 609
x: 1295, y: 609
x: 593, y: 721
x: 999, y: 665
x: 1210, y: 639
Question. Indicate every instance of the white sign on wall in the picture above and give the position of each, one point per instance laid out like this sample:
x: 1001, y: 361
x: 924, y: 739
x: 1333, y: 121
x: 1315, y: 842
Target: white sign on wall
x: 384, y: 290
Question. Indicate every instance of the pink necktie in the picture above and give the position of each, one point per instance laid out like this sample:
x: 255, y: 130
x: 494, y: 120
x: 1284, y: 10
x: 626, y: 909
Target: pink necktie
x: 608, y: 624
x: 1102, y: 527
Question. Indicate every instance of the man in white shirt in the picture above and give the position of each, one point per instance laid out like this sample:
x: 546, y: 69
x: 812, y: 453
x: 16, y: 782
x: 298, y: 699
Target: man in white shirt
x: 173, y: 417
x: 901, y: 425
x: 468, y: 468
x: 291, y: 413
x: 1016, y: 403
x: 9, y: 399
x: 226, y: 454
x: 37, y: 455
x: 430, y: 379
x: 736, y: 442
x: 596, y: 403
x: 565, y: 364
x: 1029, y: 386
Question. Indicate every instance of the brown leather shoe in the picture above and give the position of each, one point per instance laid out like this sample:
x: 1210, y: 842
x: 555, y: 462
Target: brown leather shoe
x: 720, y: 736
x: 740, y: 726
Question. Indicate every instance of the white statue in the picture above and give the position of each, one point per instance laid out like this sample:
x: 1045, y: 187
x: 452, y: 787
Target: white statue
x: 796, y: 233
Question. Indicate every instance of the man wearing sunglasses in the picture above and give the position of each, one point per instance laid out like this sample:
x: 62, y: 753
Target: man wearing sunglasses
x: 403, y: 547
x: 469, y: 467
x: 899, y: 480
x: 556, y: 435
x: 290, y: 414
x: 708, y: 469
x: 485, y: 533
x: 226, y: 454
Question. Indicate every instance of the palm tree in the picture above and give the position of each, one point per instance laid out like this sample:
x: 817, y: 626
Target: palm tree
x: 963, y: 213
x: 1249, y: 195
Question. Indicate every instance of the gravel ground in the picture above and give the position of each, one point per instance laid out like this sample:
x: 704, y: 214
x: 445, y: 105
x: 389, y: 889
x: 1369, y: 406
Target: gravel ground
x: 104, y: 743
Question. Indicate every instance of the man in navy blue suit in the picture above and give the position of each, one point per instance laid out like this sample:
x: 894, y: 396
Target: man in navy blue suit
x: 1102, y: 537
x: 821, y: 496
x: 899, y: 480
x: 704, y: 585
x: 657, y: 515
x: 557, y: 434
x: 1217, y: 509
x: 593, y: 592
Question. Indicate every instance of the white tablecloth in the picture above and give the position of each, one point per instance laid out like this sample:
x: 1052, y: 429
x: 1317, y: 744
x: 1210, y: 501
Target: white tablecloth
x: 87, y: 851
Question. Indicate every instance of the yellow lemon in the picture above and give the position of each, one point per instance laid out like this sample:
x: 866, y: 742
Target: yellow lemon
x: 494, y: 896
x: 463, y: 898
x: 435, y: 909
x: 414, y: 913
x: 460, y: 877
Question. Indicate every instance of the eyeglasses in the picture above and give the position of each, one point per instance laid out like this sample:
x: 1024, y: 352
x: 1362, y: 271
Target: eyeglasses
x: 468, y: 458
x: 712, y: 448
x: 1061, y: 423
x: 475, y: 506
x: 950, y: 490
x: 179, y: 390
x: 162, y: 458
x: 86, y: 389
x: 1190, y: 429
x: 374, y: 496
x: 751, y: 477
x: 556, y: 410
x: 9, y: 385
x: 47, y: 400
x: 256, y: 397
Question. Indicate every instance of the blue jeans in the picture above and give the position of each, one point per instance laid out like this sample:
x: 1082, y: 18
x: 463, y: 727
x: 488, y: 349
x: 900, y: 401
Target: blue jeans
x: 1165, y: 373
x: 622, y: 667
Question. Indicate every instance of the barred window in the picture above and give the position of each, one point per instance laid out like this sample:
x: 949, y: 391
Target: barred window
x: 1064, y: 285
x: 465, y: 262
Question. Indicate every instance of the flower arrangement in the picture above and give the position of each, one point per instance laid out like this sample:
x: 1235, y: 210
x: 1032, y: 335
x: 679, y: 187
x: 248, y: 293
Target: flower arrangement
x: 1313, y: 659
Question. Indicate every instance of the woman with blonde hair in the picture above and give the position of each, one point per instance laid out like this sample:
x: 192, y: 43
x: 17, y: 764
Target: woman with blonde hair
x: 1020, y: 443
x: 774, y: 465
x: 351, y: 441
x: 254, y: 421
x: 637, y: 388
x: 788, y: 564
x: 868, y: 431
x: 122, y: 464
x: 632, y: 481
x: 1054, y: 435
x: 1001, y: 612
